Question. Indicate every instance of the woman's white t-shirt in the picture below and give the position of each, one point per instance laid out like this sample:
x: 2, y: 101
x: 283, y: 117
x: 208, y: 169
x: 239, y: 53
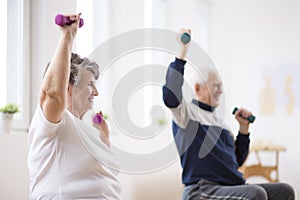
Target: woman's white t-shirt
x: 65, y: 161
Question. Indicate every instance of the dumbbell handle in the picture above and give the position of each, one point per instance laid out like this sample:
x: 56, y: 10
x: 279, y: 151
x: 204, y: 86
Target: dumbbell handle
x: 63, y: 20
x: 250, y: 118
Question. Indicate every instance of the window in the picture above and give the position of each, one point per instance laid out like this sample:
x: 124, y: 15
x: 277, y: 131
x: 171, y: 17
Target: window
x: 14, y: 58
x: 3, y: 36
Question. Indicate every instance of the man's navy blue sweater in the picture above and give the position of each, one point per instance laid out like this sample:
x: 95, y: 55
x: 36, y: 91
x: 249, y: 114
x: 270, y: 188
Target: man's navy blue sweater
x: 206, y: 146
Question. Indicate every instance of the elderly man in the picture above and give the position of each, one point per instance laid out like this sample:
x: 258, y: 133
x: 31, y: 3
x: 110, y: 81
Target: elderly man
x: 209, y: 155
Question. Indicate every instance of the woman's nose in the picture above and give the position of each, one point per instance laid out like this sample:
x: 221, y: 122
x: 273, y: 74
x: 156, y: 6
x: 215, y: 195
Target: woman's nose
x: 96, y: 93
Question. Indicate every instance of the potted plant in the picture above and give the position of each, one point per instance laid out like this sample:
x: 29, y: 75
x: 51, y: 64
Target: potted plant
x: 6, y: 116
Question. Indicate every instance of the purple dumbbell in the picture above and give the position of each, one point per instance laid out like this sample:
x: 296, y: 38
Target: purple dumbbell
x: 62, y: 20
x: 97, y: 119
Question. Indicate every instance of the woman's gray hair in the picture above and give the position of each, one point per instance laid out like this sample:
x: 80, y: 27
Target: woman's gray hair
x: 77, y: 65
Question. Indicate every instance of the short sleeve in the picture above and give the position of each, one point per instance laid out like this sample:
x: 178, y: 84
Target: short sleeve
x: 40, y: 124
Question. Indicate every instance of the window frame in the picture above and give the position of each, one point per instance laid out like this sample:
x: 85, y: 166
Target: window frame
x: 21, y: 8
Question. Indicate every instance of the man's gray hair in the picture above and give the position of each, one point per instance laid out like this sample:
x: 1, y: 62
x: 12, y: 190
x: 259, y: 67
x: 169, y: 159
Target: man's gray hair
x: 199, y: 76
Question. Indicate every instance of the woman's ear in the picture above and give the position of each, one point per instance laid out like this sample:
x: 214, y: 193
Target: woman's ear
x: 70, y: 88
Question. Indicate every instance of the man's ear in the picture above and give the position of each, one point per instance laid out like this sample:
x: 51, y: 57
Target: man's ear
x: 197, y: 87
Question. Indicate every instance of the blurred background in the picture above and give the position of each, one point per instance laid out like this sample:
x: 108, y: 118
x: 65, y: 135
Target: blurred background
x: 254, y: 44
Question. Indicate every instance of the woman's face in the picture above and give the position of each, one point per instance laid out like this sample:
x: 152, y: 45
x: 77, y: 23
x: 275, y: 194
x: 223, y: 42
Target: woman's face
x: 83, y: 93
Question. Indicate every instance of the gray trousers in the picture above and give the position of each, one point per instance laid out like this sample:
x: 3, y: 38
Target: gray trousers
x: 205, y: 190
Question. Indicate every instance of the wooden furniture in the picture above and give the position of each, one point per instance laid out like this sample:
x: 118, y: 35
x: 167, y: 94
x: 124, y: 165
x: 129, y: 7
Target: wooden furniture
x: 263, y: 170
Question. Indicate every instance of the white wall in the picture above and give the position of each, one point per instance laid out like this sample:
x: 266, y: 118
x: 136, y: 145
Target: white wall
x: 14, y: 176
x: 246, y: 38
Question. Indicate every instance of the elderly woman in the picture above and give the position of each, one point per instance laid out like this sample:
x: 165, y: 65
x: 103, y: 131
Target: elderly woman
x: 67, y: 160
